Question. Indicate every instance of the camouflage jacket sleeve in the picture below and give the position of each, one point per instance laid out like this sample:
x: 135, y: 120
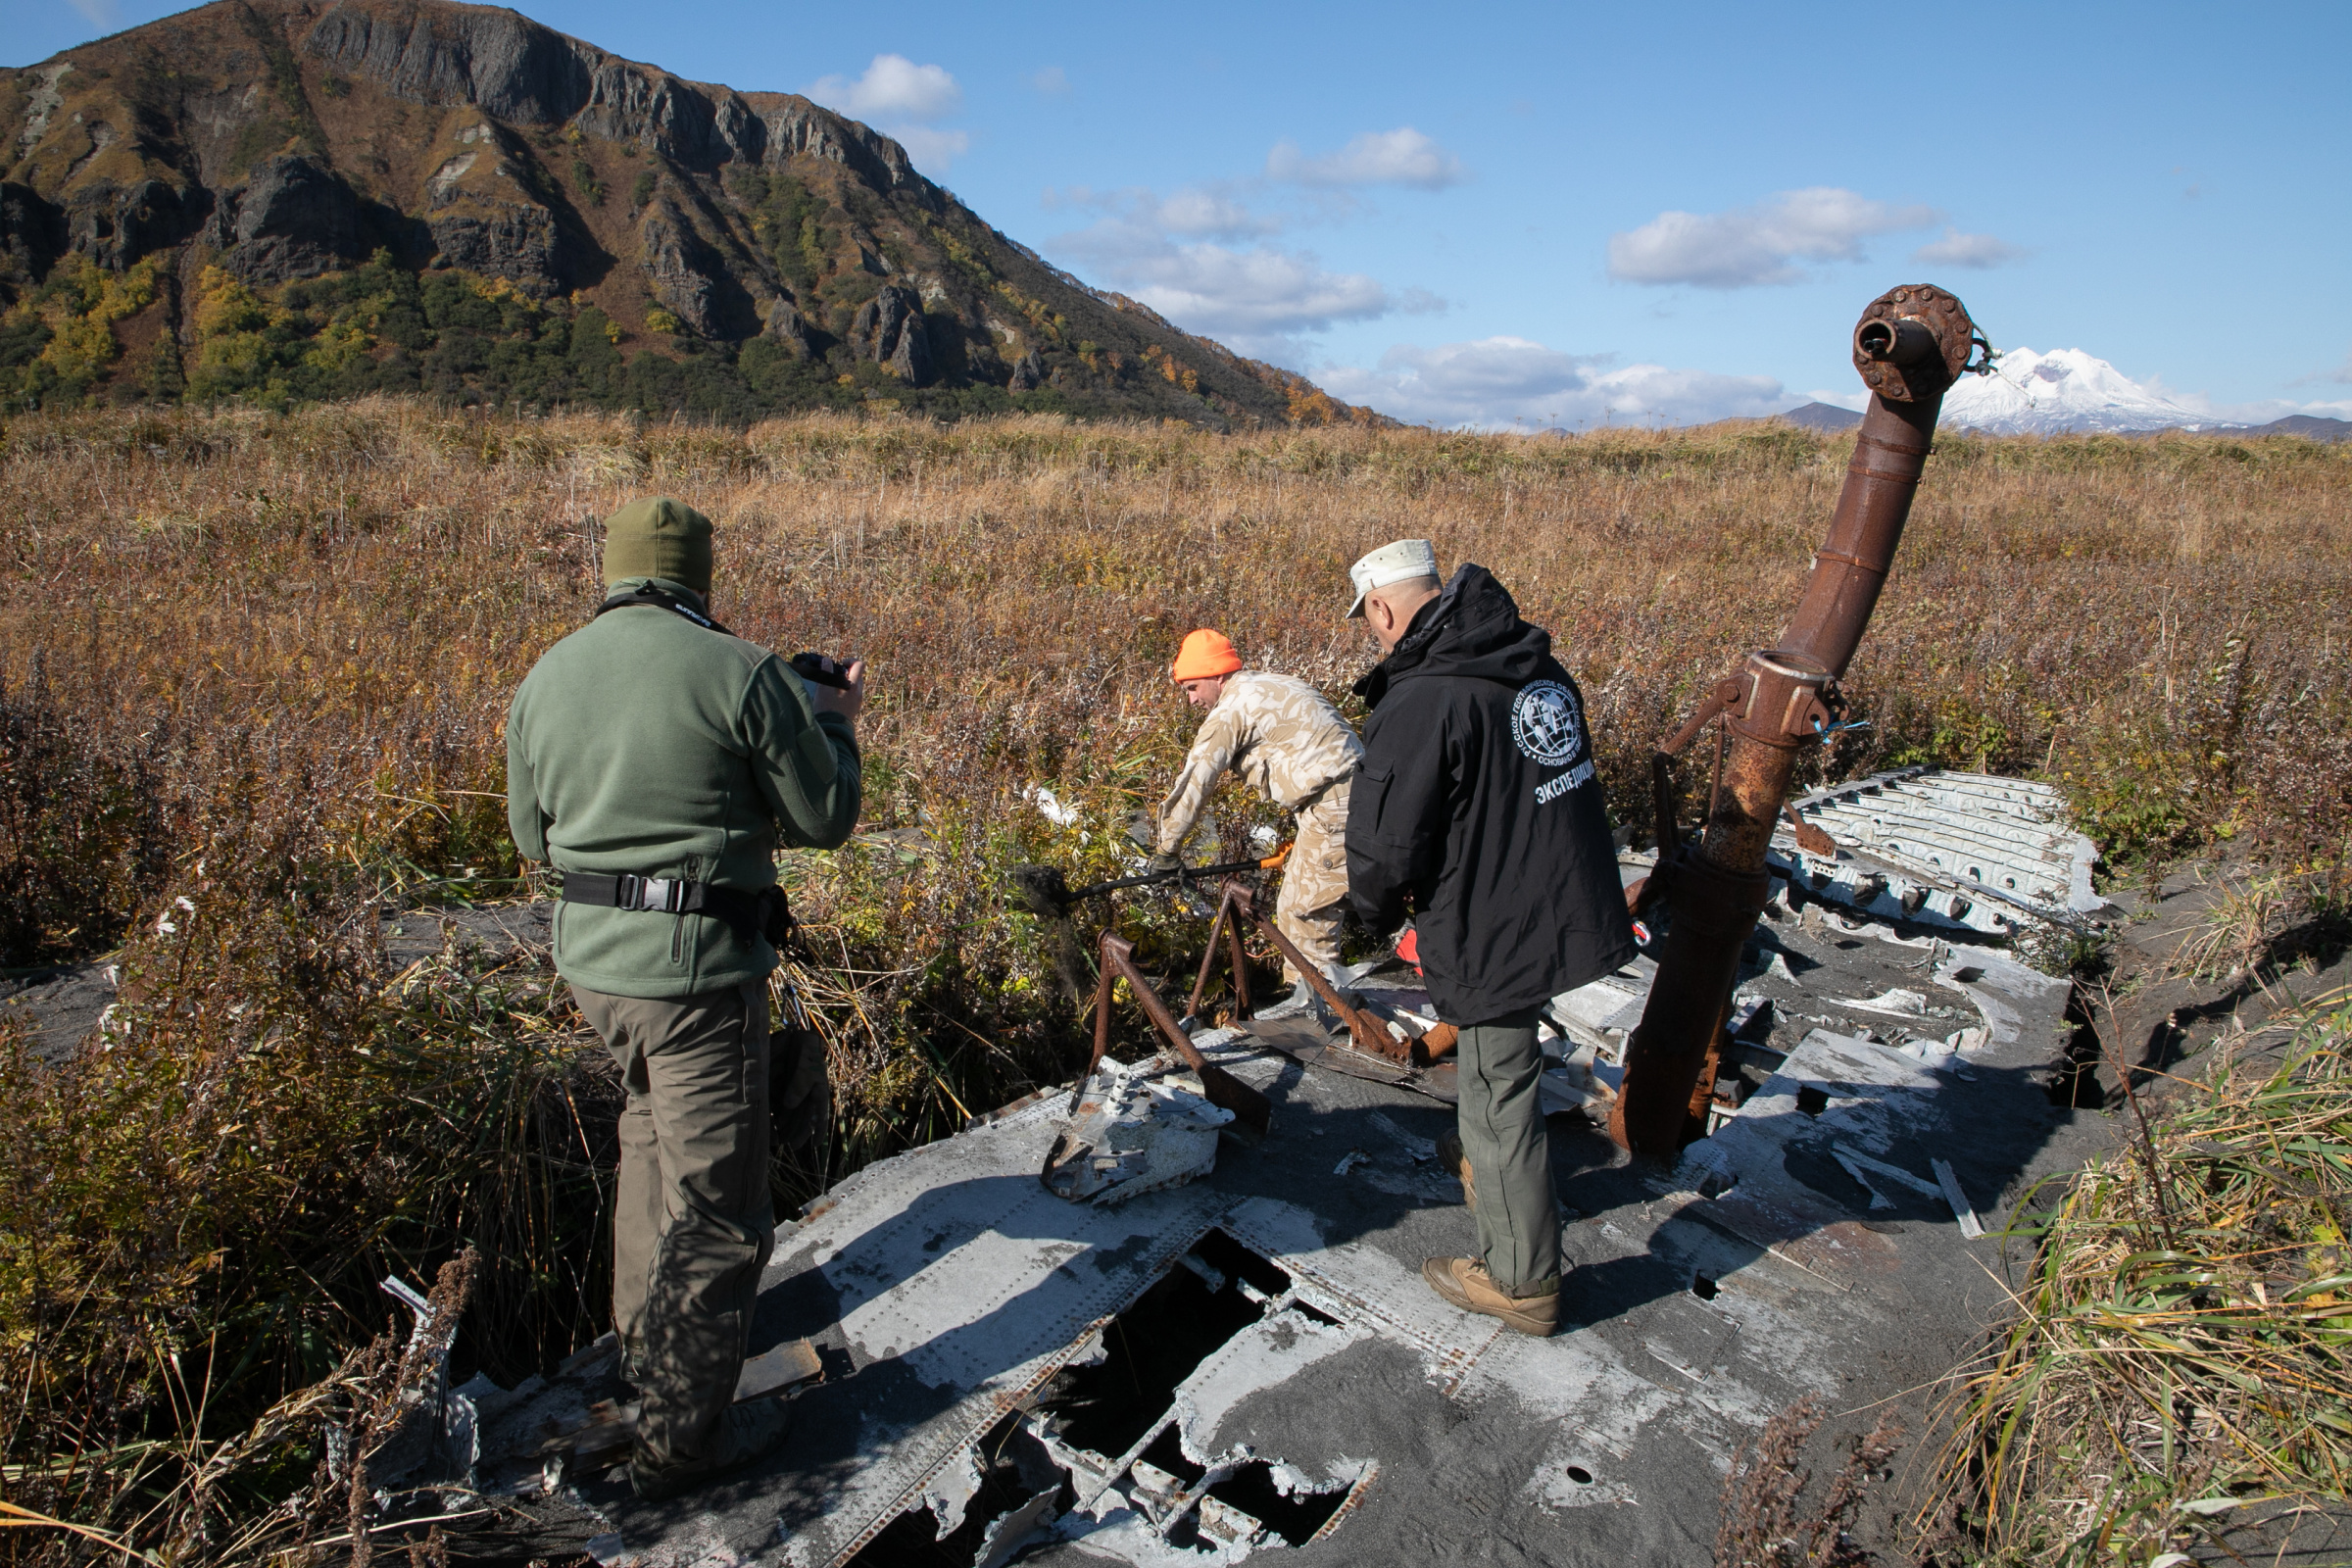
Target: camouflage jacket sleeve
x: 1223, y: 735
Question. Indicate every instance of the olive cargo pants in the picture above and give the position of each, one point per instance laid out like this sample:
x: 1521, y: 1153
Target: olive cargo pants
x: 692, y: 1222
x: 1314, y: 881
x: 1500, y: 1122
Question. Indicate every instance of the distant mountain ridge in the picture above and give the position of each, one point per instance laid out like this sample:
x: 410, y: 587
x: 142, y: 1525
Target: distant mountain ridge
x: 2067, y: 392
x: 285, y: 198
x: 1821, y: 417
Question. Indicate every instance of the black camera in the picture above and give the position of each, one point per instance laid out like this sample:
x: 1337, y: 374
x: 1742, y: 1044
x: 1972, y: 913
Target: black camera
x: 822, y: 668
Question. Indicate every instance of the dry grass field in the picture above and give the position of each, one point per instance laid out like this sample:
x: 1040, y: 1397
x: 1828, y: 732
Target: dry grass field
x: 253, y: 669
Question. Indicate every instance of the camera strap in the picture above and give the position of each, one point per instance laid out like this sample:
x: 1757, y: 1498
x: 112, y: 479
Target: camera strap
x: 661, y: 599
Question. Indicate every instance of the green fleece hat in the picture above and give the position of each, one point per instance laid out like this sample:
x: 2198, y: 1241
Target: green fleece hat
x: 659, y: 537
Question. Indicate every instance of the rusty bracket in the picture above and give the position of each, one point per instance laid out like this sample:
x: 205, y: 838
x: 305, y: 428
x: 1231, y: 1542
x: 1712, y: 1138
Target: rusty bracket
x: 1728, y: 694
x: 1788, y: 704
x: 1913, y: 342
x: 1809, y: 838
x: 1229, y: 926
x: 1365, y: 1030
x: 1250, y: 1109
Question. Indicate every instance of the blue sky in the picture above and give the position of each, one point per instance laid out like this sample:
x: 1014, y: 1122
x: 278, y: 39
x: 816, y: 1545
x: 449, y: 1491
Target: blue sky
x: 1574, y: 215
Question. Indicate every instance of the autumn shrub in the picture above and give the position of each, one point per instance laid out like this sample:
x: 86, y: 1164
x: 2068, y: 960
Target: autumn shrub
x: 196, y: 1209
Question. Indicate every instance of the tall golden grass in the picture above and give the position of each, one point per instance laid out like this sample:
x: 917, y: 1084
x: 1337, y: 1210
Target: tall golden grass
x: 261, y: 663
x: 2177, y: 1363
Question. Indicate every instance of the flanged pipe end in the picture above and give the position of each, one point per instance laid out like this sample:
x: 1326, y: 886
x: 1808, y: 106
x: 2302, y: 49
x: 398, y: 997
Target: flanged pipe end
x: 1912, y: 342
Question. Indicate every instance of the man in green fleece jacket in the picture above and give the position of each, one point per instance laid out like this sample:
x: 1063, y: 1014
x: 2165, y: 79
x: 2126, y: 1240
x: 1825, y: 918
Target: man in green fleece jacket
x: 656, y: 762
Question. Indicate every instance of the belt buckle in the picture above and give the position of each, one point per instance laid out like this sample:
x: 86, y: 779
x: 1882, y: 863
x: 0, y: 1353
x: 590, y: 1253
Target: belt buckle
x: 657, y: 893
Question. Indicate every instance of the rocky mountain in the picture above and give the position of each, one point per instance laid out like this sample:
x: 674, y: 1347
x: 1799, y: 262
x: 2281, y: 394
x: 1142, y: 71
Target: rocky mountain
x: 281, y: 199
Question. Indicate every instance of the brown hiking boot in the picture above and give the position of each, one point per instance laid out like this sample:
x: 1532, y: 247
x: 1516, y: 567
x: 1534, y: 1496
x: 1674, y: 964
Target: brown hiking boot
x: 1451, y: 1157
x: 747, y: 1432
x: 1464, y: 1282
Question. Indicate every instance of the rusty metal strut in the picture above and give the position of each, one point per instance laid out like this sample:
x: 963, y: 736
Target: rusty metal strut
x: 1910, y: 345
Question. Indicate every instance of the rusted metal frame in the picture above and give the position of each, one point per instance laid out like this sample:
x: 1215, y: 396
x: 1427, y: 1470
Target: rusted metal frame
x: 1251, y: 1109
x: 1102, y: 1034
x: 1230, y: 929
x: 1702, y: 1089
x: 1909, y: 346
x: 1369, y: 1034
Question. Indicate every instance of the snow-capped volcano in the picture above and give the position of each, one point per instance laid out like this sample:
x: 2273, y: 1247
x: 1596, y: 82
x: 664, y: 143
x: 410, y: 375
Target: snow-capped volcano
x: 2066, y: 389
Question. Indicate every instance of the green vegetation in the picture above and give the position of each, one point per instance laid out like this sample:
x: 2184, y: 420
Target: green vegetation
x: 455, y: 336
x: 584, y: 180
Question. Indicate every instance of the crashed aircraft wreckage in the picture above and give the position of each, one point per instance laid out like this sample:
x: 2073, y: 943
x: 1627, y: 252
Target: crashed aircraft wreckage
x: 1171, y: 1314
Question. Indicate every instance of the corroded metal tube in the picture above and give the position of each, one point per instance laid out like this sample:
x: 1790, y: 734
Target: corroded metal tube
x: 1910, y: 345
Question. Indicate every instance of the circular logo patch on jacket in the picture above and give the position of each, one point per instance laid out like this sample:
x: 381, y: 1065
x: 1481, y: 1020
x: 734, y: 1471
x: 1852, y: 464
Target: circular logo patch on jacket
x: 1545, y: 723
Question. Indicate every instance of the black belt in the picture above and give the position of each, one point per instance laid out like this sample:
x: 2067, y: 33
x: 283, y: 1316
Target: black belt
x: 748, y: 914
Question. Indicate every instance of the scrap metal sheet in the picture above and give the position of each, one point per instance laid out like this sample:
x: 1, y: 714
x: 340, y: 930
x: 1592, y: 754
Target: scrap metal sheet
x: 956, y: 1263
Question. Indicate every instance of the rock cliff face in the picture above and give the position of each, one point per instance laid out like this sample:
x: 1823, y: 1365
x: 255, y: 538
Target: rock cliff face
x: 281, y: 145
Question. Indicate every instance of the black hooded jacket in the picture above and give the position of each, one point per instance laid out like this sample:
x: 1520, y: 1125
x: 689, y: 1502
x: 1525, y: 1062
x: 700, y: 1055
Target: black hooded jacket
x: 1476, y: 801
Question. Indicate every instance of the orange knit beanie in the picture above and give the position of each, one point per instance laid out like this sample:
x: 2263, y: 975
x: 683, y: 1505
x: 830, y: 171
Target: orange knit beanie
x: 1204, y: 654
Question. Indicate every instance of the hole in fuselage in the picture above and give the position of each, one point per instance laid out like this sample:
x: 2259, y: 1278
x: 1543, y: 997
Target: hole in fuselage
x: 1154, y: 1344
x: 1252, y: 1490
x: 1812, y: 1101
x: 1111, y: 1406
x: 1013, y: 1468
x: 1580, y: 1475
x: 1703, y: 1287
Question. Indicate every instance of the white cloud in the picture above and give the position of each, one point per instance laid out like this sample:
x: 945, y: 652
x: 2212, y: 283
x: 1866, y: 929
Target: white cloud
x: 1400, y: 157
x: 1202, y: 214
x: 1956, y: 249
x: 930, y: 149
x: 894, y: 87
x: 1051, y: 80
x: 2261, y: 410
x: 1136, y: 218
x: 1760, y: 244
x: 1498, y: 382
x: 97, y: 13
x: 1255, y: 300
x: 903, y: 100
x: 2343, y: 371
x: 1255, y: 294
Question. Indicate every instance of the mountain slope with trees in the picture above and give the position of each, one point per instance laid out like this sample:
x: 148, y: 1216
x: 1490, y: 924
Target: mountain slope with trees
x: 284, y: 200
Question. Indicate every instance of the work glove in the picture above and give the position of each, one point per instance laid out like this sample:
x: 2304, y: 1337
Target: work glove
x: 1163, y: 860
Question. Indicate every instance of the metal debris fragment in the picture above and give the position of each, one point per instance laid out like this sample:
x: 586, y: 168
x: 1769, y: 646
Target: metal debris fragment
x: 1861, y: 1168
x: 1968, y: 851
x: 1138, y: 1129
x: 1970, y: 1226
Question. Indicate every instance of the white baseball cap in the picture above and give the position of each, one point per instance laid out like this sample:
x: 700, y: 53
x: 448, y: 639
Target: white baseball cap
x: 1400, y: 561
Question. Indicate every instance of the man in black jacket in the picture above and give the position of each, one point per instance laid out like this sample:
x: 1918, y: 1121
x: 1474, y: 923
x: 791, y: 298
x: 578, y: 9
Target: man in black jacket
x: 1477, y: 810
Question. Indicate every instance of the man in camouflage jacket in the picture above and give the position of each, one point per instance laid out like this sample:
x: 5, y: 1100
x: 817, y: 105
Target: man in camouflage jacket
x: 1286, y: 740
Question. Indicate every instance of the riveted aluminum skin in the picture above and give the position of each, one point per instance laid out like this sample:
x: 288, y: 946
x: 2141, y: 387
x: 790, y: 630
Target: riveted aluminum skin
x: 1910, y: 345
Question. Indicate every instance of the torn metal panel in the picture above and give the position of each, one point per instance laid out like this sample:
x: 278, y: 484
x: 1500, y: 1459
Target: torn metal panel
x: 953, y: 1264
x: 1136, y: 1129
x: 1263, y: 1356
x: 1967, y: 850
